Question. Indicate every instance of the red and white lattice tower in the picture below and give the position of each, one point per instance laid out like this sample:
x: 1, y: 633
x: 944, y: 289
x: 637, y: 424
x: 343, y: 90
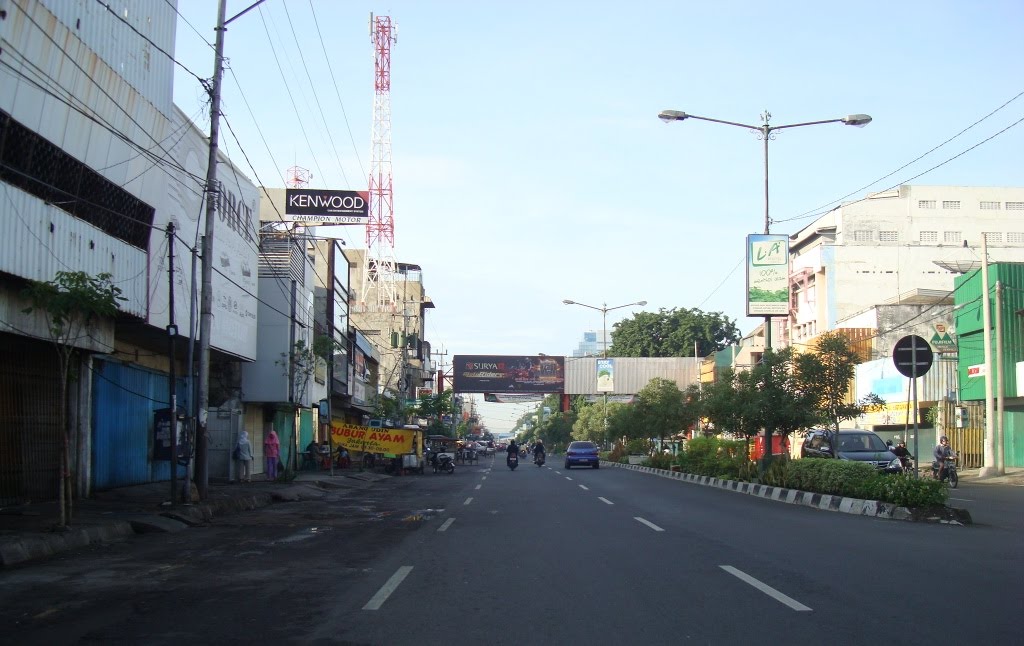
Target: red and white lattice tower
x: 298, y: 177
x: 379, y: 291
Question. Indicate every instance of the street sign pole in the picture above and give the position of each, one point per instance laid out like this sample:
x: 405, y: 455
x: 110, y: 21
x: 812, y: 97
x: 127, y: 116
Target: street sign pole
x: 913, y: 358
x: 917, y: 455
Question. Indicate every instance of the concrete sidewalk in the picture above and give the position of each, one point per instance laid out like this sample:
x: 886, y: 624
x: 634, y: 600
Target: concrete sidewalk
x: 29, y: 532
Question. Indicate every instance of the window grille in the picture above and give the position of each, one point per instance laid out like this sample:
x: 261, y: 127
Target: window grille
x: 888, y: 237
x: 929, y: 237
x: 952, y: 237
x: 1015, y: 237
x: 951, y: 204
x: 926, y: 204
x: 993, y: 237
x: 989, y: 206
x: 1015, y: 206
x: 863, y: 236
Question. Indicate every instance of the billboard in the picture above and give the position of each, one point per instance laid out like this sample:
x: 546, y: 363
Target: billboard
x: 606, y: 375
x: 767, y: 275
x: 474, y: 373
x: 322, y: 206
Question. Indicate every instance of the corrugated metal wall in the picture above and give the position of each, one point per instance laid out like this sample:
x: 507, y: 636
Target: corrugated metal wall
x: 30, y: 436
x: 124, y: 399
x: 134, y: 59
x: 631, y: 373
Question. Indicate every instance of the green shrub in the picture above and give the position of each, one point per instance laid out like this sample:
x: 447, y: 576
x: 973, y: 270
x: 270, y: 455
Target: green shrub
x: 715, y: 457
x: 618, y: 453
x: 836, y: 477
x: 638, y: 446
x: 660, y: 461
x: 905, y: 490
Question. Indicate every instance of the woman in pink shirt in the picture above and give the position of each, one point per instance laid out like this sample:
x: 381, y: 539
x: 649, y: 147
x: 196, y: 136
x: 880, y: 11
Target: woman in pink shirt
x: 272, y: 454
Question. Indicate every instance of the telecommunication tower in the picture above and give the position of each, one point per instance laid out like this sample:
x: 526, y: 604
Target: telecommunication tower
x: 298, y: 177
x: 378, y: 291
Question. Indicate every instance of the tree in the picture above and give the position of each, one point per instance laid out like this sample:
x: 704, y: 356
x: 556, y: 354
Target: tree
x: 590, y: 423
x: 434, y: 407
x: 663, y: 408
x: 777, y: 401
x: 829, y: 371
x: 72, y: 304
x: 672, y: 333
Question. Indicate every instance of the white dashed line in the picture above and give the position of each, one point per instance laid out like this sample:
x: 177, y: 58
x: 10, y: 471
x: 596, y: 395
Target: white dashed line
x: 568, y: 478
x: 584, y: 488
x: 765, y: 588
x: 468, y: 500
x: 648, y: 523
x: 382, y: 595
x: 605, y: 501
x: 477, y: 487
x: 444, y: 526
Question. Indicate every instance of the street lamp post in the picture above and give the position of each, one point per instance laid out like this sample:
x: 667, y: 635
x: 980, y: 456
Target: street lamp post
x: 764, y: 132
x: 604, y: 309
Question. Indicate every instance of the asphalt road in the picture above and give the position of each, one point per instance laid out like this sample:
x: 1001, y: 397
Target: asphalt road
x: 605, y: 556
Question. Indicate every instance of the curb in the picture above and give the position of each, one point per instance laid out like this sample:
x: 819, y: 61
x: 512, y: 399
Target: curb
x: 45, y: 544
x: 822, y: 501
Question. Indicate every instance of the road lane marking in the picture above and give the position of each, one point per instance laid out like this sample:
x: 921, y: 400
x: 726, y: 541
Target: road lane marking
x: 765, y: 588
x: 484, y: 478
x: 468, y: 500
x: 584, y: 487
x: 385, y: 591
x: 963, y: 499
x: 568, y: 478
x: 477, y: 487
x: 648, y: 523
x: 444, y: 526
x: 605, y: 501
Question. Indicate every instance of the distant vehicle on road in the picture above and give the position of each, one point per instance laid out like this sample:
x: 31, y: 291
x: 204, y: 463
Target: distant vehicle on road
x: 582, y: 453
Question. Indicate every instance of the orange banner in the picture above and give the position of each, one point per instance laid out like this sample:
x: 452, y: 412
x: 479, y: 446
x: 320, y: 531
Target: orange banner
x: 392, y: 441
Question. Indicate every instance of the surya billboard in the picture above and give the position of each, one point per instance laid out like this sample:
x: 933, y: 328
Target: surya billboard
x: 475, y: 373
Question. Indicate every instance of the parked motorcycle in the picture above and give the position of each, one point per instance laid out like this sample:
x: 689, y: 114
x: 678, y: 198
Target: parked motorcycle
x: 539, y: 460
x: 442, y: 462
x: 513, y: 461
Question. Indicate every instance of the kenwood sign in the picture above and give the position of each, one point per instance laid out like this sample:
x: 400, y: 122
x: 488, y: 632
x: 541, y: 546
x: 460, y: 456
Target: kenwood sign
x: 326, y: 207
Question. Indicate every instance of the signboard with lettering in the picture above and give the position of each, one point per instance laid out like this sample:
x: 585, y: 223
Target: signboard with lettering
x: 321, y: 206
x: 507, y: 374
x: 767, y: 275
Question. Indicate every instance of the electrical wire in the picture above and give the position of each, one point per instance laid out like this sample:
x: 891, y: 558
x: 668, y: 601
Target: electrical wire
x: 147, y: 39
x: 337, y: 93
x: 316, y: 99
x: 828, y: 205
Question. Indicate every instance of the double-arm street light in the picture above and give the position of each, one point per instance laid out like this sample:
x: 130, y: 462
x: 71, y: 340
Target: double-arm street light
x: 764, y: 132
x: 604, y: 309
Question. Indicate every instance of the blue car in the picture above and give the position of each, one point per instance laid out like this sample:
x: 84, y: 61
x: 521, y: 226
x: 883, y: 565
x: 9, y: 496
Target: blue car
x: 582, y: 453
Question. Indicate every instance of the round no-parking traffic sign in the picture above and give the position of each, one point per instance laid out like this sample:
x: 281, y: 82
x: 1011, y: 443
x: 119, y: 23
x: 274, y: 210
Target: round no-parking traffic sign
x: 912, y: 356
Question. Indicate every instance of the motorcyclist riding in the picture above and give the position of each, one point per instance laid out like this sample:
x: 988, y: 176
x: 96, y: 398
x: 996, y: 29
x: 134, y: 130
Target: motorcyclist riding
x: 901, y: 451
x: 538, y: 450
x: 513, y: 449
x: 941, y: 453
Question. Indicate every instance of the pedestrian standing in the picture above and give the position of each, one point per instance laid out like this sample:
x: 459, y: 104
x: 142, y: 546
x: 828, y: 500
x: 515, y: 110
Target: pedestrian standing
x: 243, y: 454
x: 272, y: 454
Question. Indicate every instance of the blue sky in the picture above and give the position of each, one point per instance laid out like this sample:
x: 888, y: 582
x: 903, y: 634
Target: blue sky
x: 529, y: 163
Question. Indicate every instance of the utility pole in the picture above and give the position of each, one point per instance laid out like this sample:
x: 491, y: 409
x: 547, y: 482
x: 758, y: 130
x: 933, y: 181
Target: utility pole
x: 202, y: 473
x: 172, y: 335
x: 206, y: 304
